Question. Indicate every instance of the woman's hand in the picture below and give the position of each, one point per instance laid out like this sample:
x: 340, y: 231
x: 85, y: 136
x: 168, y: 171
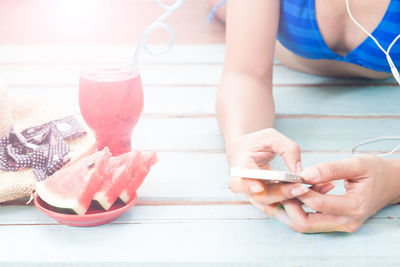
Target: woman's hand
x: 371, y: 183
x: 255, y: 151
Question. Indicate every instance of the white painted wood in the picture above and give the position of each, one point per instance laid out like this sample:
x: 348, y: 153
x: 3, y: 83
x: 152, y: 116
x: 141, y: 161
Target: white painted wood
x: 73, y: 54
x: 310, y: 134
x: 170, y: 180
x: 202, y: 177
x: 158, y: 100
x: 171, y: 133
x: 151, y: 75
x: 187, y: 74
x: 184, y: 82
x: 188, y: 176
x: 211, y: 242
x: 29, y: 215
x: 338, y: 100
x: 200, y: 100
x: 63, y: 55
x: 145, y: 214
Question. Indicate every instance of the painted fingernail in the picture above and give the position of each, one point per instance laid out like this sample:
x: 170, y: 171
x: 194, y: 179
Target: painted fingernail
x: 299, y: 168
x: 256, y: 188
x: 311, y: 174
x: 299, y: 190
x: 326, y: 188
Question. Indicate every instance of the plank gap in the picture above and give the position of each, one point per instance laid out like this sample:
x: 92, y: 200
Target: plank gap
x: 207, y: 151
x: 188, y: 203
x: 195, y: 85
x: 278, y: 116
x: 181, y: 221
x: 327, y: 84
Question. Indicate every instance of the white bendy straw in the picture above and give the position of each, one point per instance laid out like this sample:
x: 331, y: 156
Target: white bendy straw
x: 156, y: 24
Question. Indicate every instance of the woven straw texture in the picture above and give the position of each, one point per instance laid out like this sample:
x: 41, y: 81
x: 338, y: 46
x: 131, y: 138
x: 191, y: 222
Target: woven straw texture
x: 22, y: 112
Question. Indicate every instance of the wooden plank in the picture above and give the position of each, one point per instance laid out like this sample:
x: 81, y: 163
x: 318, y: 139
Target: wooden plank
x: 200, y: 100
x: 163, y: 101
x: 338, y: 100
x: 29, y: 215
x: 76, y: 54
x: 57, y: 55
x: 310, y: 134
x: 234, y: 243
x: 151, y: 75
x: 339, y: 134
x: 186, y: 178
x: 174, y: 75
x: 205, y: 177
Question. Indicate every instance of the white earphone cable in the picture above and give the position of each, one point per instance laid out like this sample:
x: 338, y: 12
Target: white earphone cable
x: 394, y: 41
x: 393, y: 68
x: 362, y: 28
x: 377, y: 139
x: 396, y: 75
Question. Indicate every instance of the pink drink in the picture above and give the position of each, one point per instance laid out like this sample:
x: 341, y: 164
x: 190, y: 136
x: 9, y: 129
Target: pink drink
x: 111, y: 101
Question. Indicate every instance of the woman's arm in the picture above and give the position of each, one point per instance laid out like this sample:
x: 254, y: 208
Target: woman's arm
x: 244, y: 100
x: 245, y: 107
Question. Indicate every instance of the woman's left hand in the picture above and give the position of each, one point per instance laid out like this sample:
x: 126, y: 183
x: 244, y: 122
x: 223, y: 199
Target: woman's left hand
x: 371, y: 183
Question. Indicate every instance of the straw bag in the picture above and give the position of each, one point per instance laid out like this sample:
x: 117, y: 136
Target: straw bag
x: 20, y: 113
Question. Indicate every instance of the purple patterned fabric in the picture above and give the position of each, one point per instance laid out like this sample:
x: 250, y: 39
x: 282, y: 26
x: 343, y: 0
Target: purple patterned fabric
x: 42, y: 148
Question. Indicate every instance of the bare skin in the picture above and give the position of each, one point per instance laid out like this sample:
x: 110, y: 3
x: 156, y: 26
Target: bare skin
x: 339, y: 33
x: 245, y: 108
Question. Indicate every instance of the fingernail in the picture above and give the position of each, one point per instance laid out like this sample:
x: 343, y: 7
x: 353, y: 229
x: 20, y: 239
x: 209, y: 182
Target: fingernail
x: 299, y: 190
x: 256, y: 204
x: 325, y: 189
x: 311, y: 174
x: 256, y: 188
x: 299, y: 168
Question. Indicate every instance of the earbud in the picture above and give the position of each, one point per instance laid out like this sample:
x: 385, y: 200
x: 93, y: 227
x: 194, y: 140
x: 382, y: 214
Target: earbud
x: 393, y: 68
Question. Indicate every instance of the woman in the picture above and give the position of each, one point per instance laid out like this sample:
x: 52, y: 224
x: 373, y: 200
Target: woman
x: 317, y: 37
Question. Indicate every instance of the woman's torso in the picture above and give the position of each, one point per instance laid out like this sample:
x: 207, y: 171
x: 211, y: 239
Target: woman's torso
x: 322, y: 29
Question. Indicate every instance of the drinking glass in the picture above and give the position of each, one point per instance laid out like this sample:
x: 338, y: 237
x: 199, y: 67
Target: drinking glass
x: 111, y: 102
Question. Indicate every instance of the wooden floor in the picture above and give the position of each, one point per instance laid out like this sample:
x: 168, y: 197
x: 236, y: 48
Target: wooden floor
x: 185, y: 213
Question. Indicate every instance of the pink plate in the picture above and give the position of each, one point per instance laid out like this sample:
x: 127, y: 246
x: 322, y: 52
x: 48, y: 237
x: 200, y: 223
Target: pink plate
x: 93, y: 217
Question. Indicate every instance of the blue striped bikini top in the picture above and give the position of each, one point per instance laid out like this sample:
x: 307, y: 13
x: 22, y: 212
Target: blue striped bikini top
x: 298, y: 31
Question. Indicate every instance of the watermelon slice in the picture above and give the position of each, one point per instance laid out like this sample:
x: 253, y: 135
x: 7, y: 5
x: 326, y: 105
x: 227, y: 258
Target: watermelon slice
x: 73, y: 187
x: 141, y: 169
x: 118, y: 175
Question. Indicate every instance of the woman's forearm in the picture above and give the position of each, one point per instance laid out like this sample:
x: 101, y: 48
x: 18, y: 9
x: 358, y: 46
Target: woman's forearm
x: 244, y: 100
x: 244, y: 105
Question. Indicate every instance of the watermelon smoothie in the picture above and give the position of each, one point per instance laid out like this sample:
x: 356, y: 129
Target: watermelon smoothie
x: 111, y: 101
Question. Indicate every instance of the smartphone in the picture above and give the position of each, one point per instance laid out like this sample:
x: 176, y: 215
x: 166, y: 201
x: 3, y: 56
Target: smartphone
x: 270, y: 175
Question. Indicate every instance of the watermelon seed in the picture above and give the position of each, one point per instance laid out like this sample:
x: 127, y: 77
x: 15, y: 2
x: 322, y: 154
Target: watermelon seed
x: 90, y: 165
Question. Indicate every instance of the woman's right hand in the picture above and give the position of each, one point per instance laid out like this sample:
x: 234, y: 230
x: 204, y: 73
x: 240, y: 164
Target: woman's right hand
x: 255, y: 151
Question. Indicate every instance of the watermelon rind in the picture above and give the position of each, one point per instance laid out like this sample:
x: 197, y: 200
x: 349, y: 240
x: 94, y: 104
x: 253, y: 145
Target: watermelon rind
x: 103, y: 200
x: 101, y: 195
x: 124, y: 196
x: 56, y: 201
x: 150, y: 159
